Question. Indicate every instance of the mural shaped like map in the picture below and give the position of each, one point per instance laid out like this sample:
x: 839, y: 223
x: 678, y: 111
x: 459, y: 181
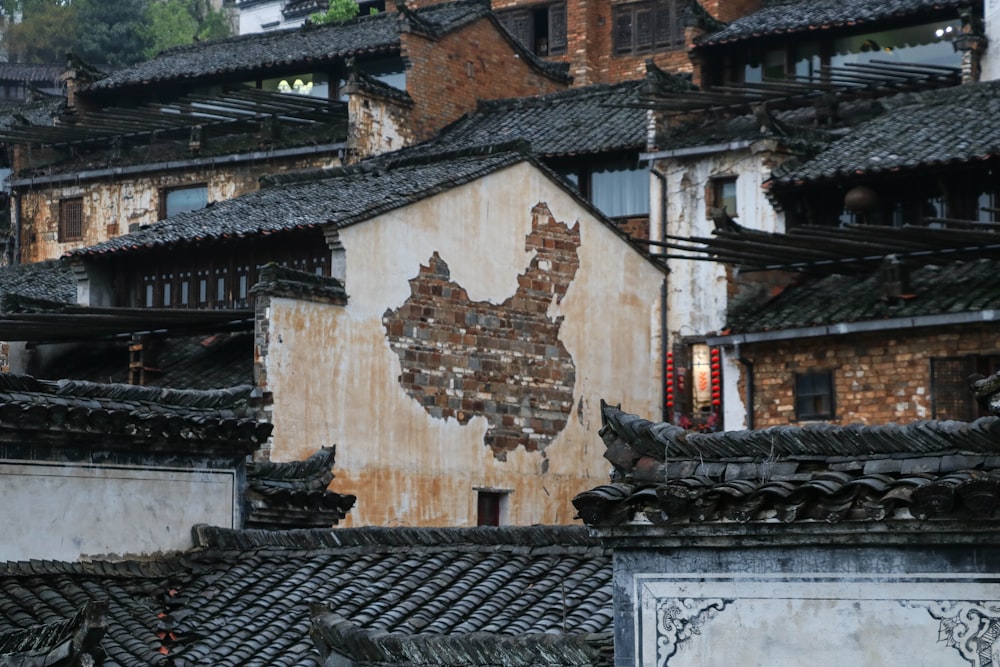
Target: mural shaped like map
x: 505, y: 362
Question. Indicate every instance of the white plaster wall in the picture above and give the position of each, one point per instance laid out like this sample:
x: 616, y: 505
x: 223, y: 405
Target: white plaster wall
x: 252, y: 19
x: 926, y: 620
x: 65, y: 511
x: 334, y: 376
x: 697, y: 290
x: 991, y: 59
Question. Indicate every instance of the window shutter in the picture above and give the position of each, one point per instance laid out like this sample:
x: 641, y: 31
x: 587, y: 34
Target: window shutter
x: 518, y: 24
x: 557, y: 29
x: 667, y: 24
x: 643, y: 29
x: 623, y: 30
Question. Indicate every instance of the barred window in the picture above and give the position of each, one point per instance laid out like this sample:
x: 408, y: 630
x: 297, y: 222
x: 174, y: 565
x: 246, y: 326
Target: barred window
x: 951, y: 392
x: 71, y: 220
x: 642, y: 27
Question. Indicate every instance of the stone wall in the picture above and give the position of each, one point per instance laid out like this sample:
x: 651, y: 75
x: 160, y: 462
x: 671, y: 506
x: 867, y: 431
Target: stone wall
x: 878, y: 377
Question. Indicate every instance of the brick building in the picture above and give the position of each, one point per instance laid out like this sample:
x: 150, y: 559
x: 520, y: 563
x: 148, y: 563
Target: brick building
x: 456, y: 372
x: 202, y: 123
x: 802, y: 145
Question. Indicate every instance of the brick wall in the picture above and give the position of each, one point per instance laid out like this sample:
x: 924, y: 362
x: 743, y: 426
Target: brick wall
x: 877, y: 377
x: 589, y: 46
x: 447, y: 76
x: 462, y: 358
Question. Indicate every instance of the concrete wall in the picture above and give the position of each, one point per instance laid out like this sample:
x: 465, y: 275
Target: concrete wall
x: 337, y: 379
x: 64, y: 511
x: 111, y: 204
x: 698, y: 291
x: 912, y: 606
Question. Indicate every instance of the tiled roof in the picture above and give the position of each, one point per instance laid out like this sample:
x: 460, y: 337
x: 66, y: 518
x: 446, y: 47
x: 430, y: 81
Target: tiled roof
x: 180, y: 362
x: 782, y: 17
x: 295, y: 494
x: 957, y: 287
x: 937, y: 128
x: 50, y: 281
x: 593, y: 119
x: 252, y: 597
x: 817, y: 472
x: 122, y: 410
x: 309, y: 46
x: 29, y: 72
x: 343, y: 196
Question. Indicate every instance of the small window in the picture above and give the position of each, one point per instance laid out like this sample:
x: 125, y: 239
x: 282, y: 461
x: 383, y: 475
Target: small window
x: 644, y: 27
x: 620, y: 190
x: 71, y: 220
x: 182, y: 200
x: 540, y: 29
x: 723, y: 196
x: 491, y: 507
x: 814, y: 395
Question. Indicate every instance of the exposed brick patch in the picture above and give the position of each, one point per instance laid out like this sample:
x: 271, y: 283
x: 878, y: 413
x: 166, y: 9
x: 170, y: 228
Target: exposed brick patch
x: 463, y: 358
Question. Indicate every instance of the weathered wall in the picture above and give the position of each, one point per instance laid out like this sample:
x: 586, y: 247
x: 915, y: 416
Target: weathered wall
x: 697, y: 291
x: 991, y: 58
x: 111, y: 204
x: 878, y: 377
x: 838, y: 605
x: 450, y: 74
x: 337, y: 377
x: 65, y: 511
x: 377, y: 125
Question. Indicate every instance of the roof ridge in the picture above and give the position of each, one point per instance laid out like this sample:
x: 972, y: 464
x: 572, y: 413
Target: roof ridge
x: 376, y: 537
x: 395, y: 160
x: 583, y: 92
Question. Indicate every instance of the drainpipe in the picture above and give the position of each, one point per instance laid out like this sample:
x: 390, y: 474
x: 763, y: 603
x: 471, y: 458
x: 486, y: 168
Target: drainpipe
x: 748, y: 365
x: 660, y: 235
x: 16, y: 227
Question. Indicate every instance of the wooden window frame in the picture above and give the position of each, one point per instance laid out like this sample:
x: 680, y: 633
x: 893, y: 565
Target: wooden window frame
x: 521, y: 24
x: 716, y: 197
x: 71, y: 223
x: 647, y: 27
x: 807, y: 391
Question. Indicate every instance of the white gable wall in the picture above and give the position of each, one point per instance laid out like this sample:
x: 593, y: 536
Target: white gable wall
x: 335, y: 378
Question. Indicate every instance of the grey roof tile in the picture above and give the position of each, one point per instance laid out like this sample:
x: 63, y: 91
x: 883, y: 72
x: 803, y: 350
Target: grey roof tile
x: 782, y: 17
x: 902, y: 472
x: 308, y: 46
x: 936, y: 128
x: 951, y: 288
x: 341, y: 196
x: 252, y: 597
x: 592, y: 119
x: 47, y: 281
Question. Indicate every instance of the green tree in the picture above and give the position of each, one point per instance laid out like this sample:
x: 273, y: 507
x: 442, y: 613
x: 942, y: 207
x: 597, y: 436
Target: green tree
x: 111, y: 31
x: 175, y: 22
x: 47, y: 30
x: 339, y: 10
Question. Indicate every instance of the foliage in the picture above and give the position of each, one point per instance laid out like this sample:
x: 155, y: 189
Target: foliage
x: 339, y: 10
x: 110, y: 31
x: 47, y: 32
x: 106, y: 32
